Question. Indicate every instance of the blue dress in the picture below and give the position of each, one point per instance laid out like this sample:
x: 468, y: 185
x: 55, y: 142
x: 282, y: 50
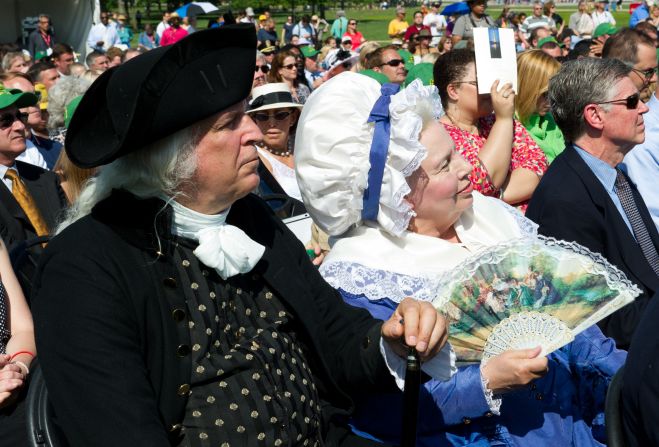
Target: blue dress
x: 564, y: 408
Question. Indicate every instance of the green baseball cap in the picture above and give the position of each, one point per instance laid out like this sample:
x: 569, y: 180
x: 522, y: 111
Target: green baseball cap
x: 546, y: 40
x: 604, y: 28
x: 309, y: 51
x: 70, y: 109
x: 381, y: 78
x: 15, y: 97
x: 421, y: 71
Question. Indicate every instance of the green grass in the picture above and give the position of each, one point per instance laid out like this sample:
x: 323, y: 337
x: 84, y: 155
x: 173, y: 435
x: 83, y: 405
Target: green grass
x: 373, y: 22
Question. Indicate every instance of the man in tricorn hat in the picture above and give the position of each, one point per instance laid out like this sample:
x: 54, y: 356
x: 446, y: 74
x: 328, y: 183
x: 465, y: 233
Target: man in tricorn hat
x: 173, y: 307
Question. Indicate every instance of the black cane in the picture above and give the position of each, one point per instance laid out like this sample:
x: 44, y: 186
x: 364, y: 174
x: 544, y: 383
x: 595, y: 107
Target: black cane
x: 411, y: 398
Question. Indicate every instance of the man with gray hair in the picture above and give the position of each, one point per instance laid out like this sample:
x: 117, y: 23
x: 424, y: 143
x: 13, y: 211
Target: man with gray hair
x: 585, y: 196
x: 40, y: 41
x: 194, y: 316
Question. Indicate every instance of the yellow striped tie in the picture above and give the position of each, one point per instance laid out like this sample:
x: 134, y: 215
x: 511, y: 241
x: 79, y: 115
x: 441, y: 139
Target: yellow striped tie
x: 25, y: 200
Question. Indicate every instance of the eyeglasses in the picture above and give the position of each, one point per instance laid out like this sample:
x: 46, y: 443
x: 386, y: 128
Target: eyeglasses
x: 264, y: 69
x: 631, y: 102
x: 289, y: 66
x: 393, y: 63
x: 278, y: 116
x: 645, y: 74
x: 7, y: 119
x: 466, y: 82
x: 352, y: 23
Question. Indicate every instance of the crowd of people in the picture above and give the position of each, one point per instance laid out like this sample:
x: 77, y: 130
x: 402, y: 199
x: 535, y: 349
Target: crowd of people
x: 147, y: 189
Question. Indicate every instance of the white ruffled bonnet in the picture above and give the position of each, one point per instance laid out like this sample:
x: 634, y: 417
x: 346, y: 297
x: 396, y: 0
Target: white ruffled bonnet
x: 332, y: 148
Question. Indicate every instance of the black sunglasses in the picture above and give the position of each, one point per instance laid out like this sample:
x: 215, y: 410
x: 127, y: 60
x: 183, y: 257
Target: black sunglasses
x: 264, y: 69
x: 631, y: 102
x: 393, y: 62
x: 7, y: 119
x: 352, y: 23
x: 289, y: 66
x: 278, y: 116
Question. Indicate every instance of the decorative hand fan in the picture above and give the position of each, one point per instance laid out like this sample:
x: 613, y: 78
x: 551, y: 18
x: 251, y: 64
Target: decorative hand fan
x: 526, y: 293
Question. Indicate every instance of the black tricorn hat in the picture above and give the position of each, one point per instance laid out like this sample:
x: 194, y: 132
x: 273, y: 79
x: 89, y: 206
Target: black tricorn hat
x: 161, y: 92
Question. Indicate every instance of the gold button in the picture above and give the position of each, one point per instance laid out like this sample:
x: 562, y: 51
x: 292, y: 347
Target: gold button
x: 175, y: 427
x: 183, y: 390
x: 182, y: 350
x: 466, y: 421
x: 488, y: 414
x: 169, y: 282
x: 178, y: 315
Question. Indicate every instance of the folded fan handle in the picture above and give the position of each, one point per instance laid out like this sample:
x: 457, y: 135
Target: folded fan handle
x: 411, y: 398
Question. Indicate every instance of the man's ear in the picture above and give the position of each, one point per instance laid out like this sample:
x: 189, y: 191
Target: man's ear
x: 594, y: 116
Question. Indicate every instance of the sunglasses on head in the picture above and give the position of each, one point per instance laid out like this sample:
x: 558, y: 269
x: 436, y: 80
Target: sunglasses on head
x: 264, y: 69
x: 289, y: 66
x: 278, y: 116
x: 631, y: 102
x: 7, y: 119
x: 394, y: 62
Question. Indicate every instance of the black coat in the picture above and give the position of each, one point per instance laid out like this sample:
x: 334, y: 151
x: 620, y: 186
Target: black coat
x: 571, y: 204
x: 45, y: 190
x: 640, y: 390
x: 107, y: 333
x: 15, y: 227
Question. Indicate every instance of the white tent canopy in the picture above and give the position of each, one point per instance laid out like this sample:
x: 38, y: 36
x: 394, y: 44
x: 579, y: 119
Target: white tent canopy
x: 71, y: 19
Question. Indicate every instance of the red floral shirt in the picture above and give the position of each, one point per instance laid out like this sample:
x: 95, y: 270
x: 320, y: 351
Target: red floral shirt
x: 525, y: 152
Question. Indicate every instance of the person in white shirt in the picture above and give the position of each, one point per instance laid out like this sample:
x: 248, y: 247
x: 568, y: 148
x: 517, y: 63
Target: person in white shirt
x: 163, y: 25
x: 600, y: 16
x: 436, y: 22
x: 103, y: 35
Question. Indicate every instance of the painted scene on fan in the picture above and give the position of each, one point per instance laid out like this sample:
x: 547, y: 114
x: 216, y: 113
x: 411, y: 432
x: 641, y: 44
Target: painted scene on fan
x: 564, y: 288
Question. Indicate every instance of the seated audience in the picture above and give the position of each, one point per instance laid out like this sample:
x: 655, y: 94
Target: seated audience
x: 507, y: 163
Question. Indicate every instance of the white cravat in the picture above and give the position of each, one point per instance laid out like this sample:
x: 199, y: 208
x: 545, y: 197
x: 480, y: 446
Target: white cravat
x: 226, y: 248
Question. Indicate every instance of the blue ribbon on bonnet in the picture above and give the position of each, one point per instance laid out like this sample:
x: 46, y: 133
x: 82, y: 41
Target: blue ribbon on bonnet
x: 379, y: 149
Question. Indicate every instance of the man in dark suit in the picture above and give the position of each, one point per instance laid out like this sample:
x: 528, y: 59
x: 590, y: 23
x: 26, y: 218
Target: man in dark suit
x: 30, y: 197
x: 192, y: 313
x: 584, y: 196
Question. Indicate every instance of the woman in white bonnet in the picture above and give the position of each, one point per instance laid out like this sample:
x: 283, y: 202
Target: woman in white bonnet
x: 400, y: 210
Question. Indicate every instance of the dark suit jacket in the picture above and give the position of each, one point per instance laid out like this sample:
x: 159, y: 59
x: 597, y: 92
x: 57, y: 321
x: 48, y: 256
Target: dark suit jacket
x: 640, y: 390
x: 571, y: 204
x: 45, y: 189
x: 107, y: 340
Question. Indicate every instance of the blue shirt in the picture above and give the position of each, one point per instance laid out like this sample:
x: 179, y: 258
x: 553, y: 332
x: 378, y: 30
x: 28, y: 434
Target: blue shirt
x: 640, y: 14
x: 607, y: 177
x: 642, y: 162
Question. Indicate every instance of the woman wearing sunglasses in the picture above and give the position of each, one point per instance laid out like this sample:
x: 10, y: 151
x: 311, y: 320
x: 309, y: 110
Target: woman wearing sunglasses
x: 274, y: 112
x: 284, y: 69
